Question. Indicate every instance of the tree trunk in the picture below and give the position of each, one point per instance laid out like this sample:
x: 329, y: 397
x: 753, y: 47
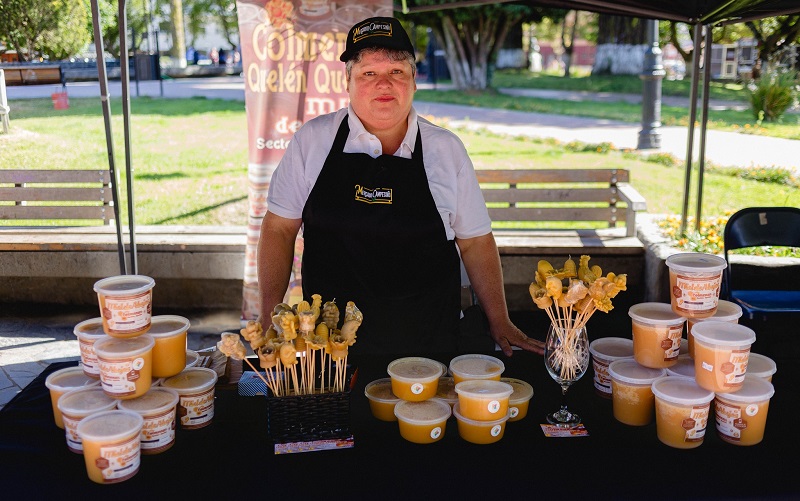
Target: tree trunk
x: 568, y: 46
x: 178, y: 49
x: 621, y: 46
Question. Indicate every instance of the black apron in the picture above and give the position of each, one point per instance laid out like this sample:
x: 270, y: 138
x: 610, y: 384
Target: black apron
x: 373, y: 236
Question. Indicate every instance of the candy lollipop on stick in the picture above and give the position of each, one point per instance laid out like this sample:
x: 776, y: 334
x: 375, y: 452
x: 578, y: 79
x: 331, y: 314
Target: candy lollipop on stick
x: 231, y: 345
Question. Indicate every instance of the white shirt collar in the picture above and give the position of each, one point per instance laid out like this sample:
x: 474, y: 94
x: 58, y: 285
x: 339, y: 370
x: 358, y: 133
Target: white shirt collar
x: 361, y: 141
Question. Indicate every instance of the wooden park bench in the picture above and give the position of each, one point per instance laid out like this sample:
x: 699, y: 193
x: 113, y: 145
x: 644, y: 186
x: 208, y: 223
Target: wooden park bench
x: 33, y: 74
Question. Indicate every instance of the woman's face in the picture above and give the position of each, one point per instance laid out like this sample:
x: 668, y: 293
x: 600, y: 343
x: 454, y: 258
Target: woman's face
x: 381, y: 91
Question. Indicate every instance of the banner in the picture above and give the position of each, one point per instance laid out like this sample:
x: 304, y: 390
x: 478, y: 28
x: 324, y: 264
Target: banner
x: 290, y: 59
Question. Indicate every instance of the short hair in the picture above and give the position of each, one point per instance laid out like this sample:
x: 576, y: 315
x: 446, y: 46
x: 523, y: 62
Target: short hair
x: 393, y: 55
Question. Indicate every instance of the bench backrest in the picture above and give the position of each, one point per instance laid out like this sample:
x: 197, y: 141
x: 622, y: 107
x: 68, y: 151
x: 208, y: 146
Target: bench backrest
x: 33, y: 74
x: 51, y: 195
x: 554, y: 195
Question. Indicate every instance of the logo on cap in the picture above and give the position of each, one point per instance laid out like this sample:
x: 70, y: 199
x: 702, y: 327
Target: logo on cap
x: 372, y: 30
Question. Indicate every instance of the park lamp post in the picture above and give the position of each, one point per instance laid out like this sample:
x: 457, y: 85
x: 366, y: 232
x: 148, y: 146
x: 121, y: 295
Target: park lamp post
x: 652, y: 74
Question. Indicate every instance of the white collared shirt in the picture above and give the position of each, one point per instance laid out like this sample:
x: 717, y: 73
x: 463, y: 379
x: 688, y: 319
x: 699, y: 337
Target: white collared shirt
x: 451, y: 175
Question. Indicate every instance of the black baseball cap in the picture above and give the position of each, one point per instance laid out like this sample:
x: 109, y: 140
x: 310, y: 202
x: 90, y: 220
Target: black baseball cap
x: 383, y: 32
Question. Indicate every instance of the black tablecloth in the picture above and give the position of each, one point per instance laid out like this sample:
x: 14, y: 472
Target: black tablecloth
x: 233, y: 456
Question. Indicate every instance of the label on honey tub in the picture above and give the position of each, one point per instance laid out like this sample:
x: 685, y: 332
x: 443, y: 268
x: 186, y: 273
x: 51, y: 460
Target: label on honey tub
x: 127, y: 314
x: 119, y: 377
x: 196, y: 410
x: 695, y: 294
x: 695, y: 424
x: 118, y: 462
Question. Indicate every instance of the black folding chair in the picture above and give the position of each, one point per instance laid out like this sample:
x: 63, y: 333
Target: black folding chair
x: 758, y: 227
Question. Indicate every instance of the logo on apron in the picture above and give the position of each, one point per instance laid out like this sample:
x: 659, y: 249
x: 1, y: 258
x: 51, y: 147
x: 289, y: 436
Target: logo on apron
x: 373, y: 195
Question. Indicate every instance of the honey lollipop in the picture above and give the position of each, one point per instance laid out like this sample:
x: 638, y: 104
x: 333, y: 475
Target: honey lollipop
x: 330, y: 315
x: 352, y: 321
x: 231, y: 346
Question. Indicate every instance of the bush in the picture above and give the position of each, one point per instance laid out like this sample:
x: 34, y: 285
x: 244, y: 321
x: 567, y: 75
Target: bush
x: 773, y: 94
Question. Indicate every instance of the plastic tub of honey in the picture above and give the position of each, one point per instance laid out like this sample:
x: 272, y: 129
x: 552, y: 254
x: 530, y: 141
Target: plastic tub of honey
x: 483, y: 399
x: 520, y: 399
x: 694, y: 283
x: 422, y: 422
x: 741, y: 416
x: 721, y: 354
x: 604, y: 351
x: 682, y: 411
x: 192, y: 358
x: 62, y: 381
x: 381, y: 399
x: 195, y: 387
x: 480, y: 432
x: 126, y: 303
x: 126, y: 365
x: 726, y: 312
x: 158, y: 408
x: 87, y: 333
x: 632, y: 397
x: 476, y: 366
x: 760, y: 366
x: 684, y: 367
x: 169, y: 352
x: 111, y: 446
x: 414, y: 378
x: 657, y: 333
x: 447, y: 390
x: 76, y: 405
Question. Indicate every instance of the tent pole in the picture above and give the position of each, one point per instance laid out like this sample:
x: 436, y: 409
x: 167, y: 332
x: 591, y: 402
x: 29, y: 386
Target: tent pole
x: 126, y: 119
x: 106, y: 105
x: 701, y: 164
x: 698, y: 30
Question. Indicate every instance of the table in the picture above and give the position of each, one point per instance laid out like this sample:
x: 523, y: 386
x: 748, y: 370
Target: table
x: 233, y: 457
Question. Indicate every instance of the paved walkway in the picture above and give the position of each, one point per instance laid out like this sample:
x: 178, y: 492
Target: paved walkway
x: 722, y: 148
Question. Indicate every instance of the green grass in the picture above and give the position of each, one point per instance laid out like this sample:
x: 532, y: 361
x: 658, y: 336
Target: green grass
x: 190, y: 159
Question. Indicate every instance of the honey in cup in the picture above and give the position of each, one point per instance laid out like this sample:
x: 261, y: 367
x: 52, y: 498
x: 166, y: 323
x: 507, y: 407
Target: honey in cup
x: 721, y: 354
x: 422, y: 422
x: 632, y: 398
x: 195, y: 387
x: 62, y: 381
x: 169, y: 352
x: 447, y: 390
x: 88, y: 332
x: 476, y: 366
x: 157, y: 408
x: 76, y: 405
x: 381, y: 399
x: 111, y: 446
x: 480, y: 432
x: 726, y: 312
x: 483, y: 399
x: 520, y: 399
x: 604, y: 351
x: 682, y: 411
x: 741, y: 416
x: 657, y: 334
x: 414, y: 378
x: 694, y: 283
x: 126, y: 365
x: 125, y: 304
x: 761, y: 366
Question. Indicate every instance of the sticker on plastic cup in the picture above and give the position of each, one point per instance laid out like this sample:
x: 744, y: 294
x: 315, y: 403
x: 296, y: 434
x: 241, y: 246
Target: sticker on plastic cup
x: 695, y: 424
x: 493, y: 406
x: 514, y: 412
x: 436, y: 432
x: 119, y: 377
x: 496, y: 429
x: 417, y: 388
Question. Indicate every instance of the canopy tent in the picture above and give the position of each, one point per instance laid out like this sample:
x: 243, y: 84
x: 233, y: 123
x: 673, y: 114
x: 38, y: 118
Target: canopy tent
x: 699, y: 13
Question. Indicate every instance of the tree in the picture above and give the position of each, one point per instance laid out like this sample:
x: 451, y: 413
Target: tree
x: 44, y: 28
x: 773, y: 34
x: 680, y: 36
x: 220, y: 12
x: 620, y: 45
x: 471, y: 37
x: 178, y: 49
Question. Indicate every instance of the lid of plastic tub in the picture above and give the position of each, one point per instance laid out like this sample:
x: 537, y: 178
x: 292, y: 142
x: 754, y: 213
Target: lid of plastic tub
x: 380, y: 390
x: 429, y: 411
x: 114, y: 347
x: 192, y: 358
x: 522, y: 390
x: 124, y: 285
x: 110, y: 426
x: 484, y: 388
x: 655, y: 314
x: 629, y: 371
x: 696, y: 262
x: 683, y: 367
x: 69, y: 379
x: 475, y: 422
x: 611, y: 348
x: 681, y: 390
x: 726, y: 312
x: 753, y: 389
x: 167, y: 325
x: 476, y: 365
x: 446, y: 390
x: 415, y: 369
x: 760, y: 365
x: 85, y: 401
x: 718, y: 333
x: 92, y: 328
x: 193, y: 379
x: 156, y: 400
